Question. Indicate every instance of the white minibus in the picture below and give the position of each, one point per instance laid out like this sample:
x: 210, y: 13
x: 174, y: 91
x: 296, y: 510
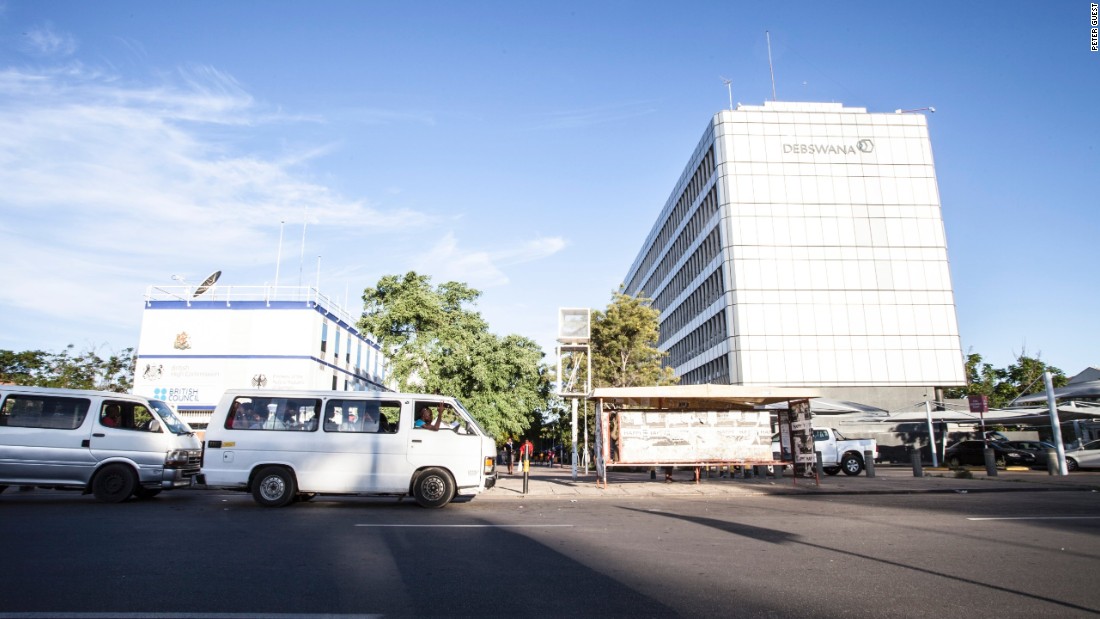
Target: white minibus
x: 113, y: 445
x: 283, y: 446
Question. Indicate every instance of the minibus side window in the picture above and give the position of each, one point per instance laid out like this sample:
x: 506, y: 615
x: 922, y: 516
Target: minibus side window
x: 127, y: 416
x: 369, y: 416
x: 283, y: 414
x: 27, y: 411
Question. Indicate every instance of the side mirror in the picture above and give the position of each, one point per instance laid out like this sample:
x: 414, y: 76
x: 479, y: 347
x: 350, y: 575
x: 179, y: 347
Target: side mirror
x: 154, y: 425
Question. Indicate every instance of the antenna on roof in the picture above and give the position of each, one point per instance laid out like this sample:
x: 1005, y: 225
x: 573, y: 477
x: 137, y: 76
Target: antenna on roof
x: 727, y: 81
x: 771, y: 69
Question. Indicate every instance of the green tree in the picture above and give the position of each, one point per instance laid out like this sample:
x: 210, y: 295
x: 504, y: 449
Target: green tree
x: 624, y: 345
x: 69, y: 369
x: 1003, y: 385
x: 436, y: 345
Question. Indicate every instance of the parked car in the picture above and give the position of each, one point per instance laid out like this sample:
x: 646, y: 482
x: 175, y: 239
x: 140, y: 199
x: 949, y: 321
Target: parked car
x: 1084, y: 457
x: 972, y: 452
x: 1039, y: 448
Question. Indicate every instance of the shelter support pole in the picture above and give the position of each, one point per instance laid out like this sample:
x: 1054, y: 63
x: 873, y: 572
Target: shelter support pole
x: 574, y: 435
x: 931, y: 433
x: 1055, y: 425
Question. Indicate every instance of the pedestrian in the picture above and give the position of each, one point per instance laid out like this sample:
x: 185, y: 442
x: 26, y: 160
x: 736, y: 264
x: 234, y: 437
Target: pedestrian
x: 509, y: 452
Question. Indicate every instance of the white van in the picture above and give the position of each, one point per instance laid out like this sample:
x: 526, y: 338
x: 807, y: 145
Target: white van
x: 113, y: 445
x: 288, y: 445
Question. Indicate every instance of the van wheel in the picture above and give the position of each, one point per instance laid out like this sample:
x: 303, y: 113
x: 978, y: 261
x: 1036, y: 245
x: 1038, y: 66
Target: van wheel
x: 114, y: 483
x: 433, y: 488
x: 142, y: 492
x: 851, y: 464
x: 273, y: 487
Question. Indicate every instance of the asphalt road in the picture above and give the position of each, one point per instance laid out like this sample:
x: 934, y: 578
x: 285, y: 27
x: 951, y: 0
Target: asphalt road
x: 208, y: 554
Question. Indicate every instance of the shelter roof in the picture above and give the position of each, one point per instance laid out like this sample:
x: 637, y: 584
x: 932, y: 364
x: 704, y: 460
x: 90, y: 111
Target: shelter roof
x: 1087, y: 389
x: 700, y: 397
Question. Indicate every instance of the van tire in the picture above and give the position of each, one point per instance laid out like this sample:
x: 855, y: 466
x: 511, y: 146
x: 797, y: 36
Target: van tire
x: 114, y: 483
x: 274, y: 486
x: 142, y: 492
x: 433, y: 488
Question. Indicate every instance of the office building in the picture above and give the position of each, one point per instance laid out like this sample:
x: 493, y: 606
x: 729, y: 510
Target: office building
x: 803, y: 246
x: 195, y: 346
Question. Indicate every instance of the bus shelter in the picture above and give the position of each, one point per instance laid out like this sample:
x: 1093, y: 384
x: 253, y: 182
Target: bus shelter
x: 687, y: 425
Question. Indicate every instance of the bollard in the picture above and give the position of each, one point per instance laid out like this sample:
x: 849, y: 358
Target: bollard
x: 819, y: 465
x: 990, y: 462
x: 526, y: 470
x: 1052, y: 462
x: 869, y: 462
x: 914, y: 457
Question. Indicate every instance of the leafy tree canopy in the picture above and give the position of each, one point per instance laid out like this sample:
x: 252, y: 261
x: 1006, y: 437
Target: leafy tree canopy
x: 69, y: 369
x: 435, y: 344
x: 1003, y: 385
x: 624, y: 345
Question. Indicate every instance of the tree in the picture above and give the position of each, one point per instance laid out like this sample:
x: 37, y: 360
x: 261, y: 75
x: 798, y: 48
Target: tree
x: 624, y: 345
x: 67, y: 369
x: 436, y: 345
x: 1003, y: 385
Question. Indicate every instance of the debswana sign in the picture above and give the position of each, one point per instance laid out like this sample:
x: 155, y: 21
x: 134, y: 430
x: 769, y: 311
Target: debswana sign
x: 862, y: 146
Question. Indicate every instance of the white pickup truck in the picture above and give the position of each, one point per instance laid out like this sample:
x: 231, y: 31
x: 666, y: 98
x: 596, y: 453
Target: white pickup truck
x: 838, y: 453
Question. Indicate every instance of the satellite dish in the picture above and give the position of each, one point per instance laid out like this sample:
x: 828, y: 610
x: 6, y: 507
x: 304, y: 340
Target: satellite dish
x: 208, y: 283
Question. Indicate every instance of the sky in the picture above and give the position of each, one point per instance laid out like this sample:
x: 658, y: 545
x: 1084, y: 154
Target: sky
x: 525, y: 148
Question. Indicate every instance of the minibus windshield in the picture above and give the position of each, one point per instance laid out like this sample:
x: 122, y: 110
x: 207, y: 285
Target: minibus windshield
x: 174, y: 424
x: 466, y: 414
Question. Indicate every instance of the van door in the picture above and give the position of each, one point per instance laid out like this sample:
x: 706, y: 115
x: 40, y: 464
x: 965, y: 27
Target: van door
x: 128, y: 429
x: 44, y: 439
x: 441, y: 438
x: 364, y: 450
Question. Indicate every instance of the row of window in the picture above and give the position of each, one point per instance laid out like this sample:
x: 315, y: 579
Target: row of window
x: 692, y: 231
x: 709, y: 334
x: 339, y: 415
x: 715, y: 372
x: 65, y: 413
x: 692, y: 267
x: 701, y: 298
x: 698, y: 182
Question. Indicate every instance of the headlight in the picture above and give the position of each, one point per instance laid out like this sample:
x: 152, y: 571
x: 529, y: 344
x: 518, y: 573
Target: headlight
x: 178, y: 456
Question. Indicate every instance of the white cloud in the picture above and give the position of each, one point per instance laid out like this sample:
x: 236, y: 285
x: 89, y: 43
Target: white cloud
x: 110, y: 186
x: 446, y: 261
x: 43, y: 41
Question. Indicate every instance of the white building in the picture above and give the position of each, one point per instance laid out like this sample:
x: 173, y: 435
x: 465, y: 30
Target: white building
x: 195, y: 346
x: 803, y: 246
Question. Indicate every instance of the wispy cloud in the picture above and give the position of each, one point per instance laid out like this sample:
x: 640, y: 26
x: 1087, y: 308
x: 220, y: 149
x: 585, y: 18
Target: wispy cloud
x: 446, y: 260
x: 588, y: 117
x: 44, y: 41
x: 110, y: 185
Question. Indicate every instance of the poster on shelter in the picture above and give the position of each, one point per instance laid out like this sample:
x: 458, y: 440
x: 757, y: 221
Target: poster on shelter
x: 695, y: 436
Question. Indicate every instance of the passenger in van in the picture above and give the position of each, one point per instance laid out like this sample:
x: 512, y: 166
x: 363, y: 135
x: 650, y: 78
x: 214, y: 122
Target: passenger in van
x: 112, y: 416
x: 425, y: 421
x: 351, y: 424
x: 370, y: 419
x: 242, y: 419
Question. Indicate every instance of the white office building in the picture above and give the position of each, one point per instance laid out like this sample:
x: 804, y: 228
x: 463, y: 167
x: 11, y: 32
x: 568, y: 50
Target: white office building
x: 803, y: 246
x: 195, y: 346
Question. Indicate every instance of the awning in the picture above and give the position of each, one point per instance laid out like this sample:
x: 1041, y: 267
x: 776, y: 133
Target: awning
x: 700, y: 397
x: 1090, y: 389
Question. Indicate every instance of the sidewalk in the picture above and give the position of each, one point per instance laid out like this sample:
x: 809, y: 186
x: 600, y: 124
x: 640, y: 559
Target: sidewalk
x: 557, y: 483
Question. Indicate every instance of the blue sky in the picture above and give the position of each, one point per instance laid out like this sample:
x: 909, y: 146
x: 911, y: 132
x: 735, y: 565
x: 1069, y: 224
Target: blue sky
x: 524, y: 148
